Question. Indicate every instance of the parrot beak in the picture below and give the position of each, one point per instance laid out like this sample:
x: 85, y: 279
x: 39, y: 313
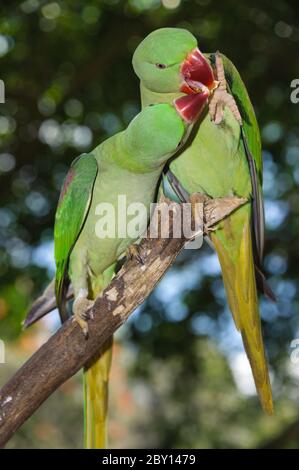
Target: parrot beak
x: 191, y: 106
x: 198, y: 84
x: 196, y: 68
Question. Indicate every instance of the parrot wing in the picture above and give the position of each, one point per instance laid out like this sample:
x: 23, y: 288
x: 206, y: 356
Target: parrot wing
x: 252, y: 144
x: 73, y: 207
x: 241, y: 266
x: 250, y: 135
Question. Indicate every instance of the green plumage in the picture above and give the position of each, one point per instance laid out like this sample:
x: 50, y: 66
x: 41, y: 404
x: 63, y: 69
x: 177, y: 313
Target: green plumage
x: 217, y: 163
x: 217, y: 160
x: 78, y: 188
x: 251, y: 128
x: 222, y: 160
x: 128, y: 165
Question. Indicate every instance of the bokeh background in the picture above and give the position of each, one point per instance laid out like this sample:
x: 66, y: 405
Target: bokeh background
x: 180, y: 377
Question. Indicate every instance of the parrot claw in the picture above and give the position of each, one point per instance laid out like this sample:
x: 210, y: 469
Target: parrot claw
x: 82, y: 311
x: 134, y: 251
x: 210, y: 229
x: 83, y: 325
x: 221, y: 97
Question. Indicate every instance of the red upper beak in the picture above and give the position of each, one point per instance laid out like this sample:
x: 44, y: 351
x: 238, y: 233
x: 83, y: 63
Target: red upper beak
x: 196, y: 68
x: 198, y: 83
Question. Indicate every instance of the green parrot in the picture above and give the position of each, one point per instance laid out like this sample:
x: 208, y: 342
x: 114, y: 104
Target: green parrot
x: 222, y: 157
x: 128, y: 164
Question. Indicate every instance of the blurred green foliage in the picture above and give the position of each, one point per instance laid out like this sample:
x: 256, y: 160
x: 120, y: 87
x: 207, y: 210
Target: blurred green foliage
x: 69, y: 84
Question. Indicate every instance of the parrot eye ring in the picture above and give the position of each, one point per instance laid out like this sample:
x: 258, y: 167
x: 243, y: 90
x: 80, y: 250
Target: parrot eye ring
x: 161, y: 66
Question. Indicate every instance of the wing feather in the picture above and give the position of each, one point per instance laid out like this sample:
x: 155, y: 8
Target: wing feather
x: 73, y: 206
x: 252, y: 145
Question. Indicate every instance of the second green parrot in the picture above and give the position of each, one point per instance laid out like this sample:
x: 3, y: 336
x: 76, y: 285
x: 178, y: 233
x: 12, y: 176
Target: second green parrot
x: 222, y: 157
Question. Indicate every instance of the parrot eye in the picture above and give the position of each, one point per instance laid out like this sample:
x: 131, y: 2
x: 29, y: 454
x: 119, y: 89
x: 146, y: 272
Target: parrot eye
x: 161, y: 66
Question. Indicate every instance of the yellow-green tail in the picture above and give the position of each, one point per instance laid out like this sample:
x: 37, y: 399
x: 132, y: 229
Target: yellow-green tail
x: 233, y: 244
x: 96, y: 380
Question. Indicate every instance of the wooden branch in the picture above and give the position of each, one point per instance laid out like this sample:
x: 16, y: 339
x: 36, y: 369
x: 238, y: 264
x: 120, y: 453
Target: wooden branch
x: 67, y: 351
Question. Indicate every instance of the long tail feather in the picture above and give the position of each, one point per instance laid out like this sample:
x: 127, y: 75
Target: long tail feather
x: 96, y: 379
x: 45, y: 304
x: 233, y: 244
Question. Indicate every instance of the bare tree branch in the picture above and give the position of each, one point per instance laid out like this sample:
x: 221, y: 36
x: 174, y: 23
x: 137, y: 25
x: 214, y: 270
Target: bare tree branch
x: 67, y: 351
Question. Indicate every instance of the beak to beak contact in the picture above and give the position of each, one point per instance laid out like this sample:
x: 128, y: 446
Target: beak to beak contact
x: 198, y: 84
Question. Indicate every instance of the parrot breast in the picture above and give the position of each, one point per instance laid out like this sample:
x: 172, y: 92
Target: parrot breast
x: 214, y: 161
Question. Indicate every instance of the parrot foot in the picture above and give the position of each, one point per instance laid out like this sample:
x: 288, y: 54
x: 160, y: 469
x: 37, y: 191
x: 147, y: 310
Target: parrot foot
x: 208, y: 230
x: 134, y: 251
x: 82, y: 311
x: 221, y: 97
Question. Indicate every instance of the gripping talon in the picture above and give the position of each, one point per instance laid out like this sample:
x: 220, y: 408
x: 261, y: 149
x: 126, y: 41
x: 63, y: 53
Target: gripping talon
x: 221, y: 97
x: 209, y: 230
x: 83, y: 325
x: 82, y: 311
x: 134, y: 251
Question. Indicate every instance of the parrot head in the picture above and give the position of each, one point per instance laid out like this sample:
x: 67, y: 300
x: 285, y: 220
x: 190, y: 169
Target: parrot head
x: 169, y: 61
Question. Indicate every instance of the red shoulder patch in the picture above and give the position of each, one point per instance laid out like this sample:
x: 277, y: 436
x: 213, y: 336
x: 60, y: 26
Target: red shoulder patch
x: 68, y: 179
